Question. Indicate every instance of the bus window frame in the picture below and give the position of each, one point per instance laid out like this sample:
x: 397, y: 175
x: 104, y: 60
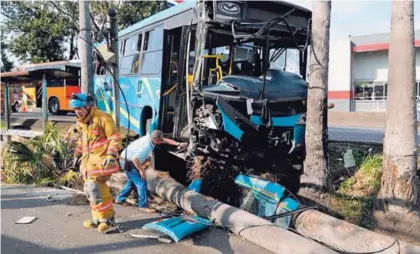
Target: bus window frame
x: 139, y: 35
x: 159, y: 71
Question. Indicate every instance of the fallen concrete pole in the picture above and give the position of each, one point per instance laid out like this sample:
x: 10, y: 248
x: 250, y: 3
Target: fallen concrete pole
x: 244, y: 224
x: 348, y: 238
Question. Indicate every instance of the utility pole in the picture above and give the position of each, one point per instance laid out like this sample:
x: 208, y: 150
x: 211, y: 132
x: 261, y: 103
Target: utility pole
x: 113, y: 22
x: 85, y: 47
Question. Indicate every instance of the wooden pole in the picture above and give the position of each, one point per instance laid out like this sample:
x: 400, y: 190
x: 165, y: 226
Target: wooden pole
x: 242, y: 223
x: 346, y: 237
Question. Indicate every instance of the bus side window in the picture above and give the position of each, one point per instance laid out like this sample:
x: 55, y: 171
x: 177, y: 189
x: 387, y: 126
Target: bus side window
x: 152, y: 51
x: 55, y: 82
x: 130, y: 61
x: 72, y: 81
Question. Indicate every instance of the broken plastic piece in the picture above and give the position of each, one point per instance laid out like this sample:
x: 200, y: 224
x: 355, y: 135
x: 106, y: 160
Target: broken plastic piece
x: 349, y: 160
x: 151, y: 234
x: 177, y: 228
x: 26, y: 220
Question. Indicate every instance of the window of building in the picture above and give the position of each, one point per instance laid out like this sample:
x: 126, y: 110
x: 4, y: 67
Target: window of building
x: 370, y: 90
x: 363, y: 90
x: 418, y: 90
x: 379, y: 91
x: 152, y: 52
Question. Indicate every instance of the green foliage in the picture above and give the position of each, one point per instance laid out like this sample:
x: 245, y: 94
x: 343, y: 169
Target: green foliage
x: 6, y: 64
x: 39, y: 31
x: 37, y: 160
x: 42, y: 28
x: 71, y: 179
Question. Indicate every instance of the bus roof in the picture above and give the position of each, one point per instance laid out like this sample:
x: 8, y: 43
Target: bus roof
x: 182, y: 7
x: 165, y: 14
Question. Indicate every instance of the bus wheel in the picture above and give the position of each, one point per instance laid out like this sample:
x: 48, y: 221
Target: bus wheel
x: 54, y: 106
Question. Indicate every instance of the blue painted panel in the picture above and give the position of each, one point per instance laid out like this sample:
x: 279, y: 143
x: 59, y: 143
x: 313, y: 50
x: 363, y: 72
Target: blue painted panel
x: 299, y: 135
x: 287, y: 121
x: 268, y: 196
x: 195, y: 185
x: 177, y: 228
x: 229, y: 126
x: 148, y: 96
x: 269, y: 190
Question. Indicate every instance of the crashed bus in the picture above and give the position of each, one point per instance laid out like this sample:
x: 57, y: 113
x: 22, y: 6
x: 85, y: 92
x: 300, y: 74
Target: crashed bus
x: 205, y: 72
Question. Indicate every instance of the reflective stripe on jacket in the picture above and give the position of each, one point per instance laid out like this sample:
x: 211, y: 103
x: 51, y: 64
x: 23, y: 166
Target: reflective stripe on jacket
x: 97, y: 140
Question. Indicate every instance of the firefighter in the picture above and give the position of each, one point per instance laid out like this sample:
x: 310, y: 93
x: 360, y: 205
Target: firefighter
x: 97, y: 154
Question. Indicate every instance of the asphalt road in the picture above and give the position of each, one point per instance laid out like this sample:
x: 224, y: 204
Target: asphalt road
x: 362, y: 135
x: 58, y: 228
x: 70, y: 117
x: 355, y: 134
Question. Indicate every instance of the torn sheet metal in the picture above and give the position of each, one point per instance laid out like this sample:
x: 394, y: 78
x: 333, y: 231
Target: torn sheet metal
x: 178, y: 228
x: 267, y: 198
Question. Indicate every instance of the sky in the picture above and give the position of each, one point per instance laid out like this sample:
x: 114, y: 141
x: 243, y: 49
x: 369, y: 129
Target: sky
x: 356, y: 17
x: 360, y: 17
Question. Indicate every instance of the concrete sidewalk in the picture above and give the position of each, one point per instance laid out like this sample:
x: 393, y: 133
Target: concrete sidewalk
x: 58, y: 228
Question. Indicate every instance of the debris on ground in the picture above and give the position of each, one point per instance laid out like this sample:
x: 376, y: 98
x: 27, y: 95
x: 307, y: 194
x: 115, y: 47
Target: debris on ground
x: 178, y: 228
x: 51, y: 199
x: 149, y: 234
x: 26, y: 220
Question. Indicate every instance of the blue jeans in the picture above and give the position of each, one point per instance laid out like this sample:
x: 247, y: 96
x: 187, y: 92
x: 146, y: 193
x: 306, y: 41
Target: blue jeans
x: 134, y: 180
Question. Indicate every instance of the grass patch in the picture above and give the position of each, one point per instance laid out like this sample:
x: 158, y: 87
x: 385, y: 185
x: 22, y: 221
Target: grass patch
x: 354, y: 199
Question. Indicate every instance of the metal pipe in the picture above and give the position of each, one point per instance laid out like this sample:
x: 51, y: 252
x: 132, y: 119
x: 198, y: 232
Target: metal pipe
x: 7, y: 109
x: 266, y: 63
x: 113, y: 20
x: 44, y: 102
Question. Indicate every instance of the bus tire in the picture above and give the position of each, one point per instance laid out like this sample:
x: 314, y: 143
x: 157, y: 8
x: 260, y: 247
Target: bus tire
x: 54, y: 106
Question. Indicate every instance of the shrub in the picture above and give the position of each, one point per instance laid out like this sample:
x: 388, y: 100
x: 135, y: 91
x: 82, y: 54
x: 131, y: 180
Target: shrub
x: 37, y: 160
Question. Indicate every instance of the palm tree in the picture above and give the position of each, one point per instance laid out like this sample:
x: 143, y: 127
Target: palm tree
x: 315, y: 165
x: 398, y: 187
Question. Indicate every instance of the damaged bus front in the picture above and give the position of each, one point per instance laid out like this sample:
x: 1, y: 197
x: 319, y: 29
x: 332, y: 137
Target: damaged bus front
x: 242, y: 112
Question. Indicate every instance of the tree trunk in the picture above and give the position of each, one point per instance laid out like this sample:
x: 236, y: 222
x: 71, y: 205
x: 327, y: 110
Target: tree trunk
x: 314, y: 178
x: 242, y: 223
x: 398, y: 191
x: 72, y: 48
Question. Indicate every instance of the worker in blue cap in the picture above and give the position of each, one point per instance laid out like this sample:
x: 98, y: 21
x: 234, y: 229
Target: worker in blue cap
x: 135, y: 159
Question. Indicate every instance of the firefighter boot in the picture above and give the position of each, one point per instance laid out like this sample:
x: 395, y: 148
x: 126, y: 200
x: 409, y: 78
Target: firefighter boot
x: 102, y: 227
x: 90, y: 224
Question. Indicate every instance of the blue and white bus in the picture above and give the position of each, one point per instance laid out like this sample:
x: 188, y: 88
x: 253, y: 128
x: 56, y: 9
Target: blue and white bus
x: 205, y: 72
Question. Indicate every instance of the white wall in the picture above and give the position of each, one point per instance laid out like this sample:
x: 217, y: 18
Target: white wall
x: 374, y: 65
x: 339, y: 71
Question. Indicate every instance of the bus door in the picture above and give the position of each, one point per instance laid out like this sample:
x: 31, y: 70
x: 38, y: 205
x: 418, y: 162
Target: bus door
x: 172, y: 67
